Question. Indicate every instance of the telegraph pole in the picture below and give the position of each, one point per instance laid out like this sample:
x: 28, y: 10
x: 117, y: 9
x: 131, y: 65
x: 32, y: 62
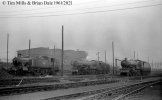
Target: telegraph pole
x: 105, y: 56
x: 134, y: 55
x: 54, y: 51
x: 137, y: 56
x: 152, y: 65
x: 29, y: 48
x: 113, y: 55
x: 160, y: 65
x: 7, y: 47
x: 116, y: 62
x: 98, y: 56
x: 62, y: 65
x: 54, y: 58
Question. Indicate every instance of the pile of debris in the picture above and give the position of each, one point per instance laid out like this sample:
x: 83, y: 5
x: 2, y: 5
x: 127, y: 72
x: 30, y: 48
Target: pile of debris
x: 4, y: 74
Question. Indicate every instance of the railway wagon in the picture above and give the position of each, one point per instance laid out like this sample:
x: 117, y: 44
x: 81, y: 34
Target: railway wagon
x: 135, y: 67
x: 90, y: 67
x: 41, y: 65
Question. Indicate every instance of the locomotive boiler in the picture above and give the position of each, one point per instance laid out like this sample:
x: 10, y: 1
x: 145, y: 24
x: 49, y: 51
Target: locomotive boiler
x: 135, y: 67
x: 90, y: 67
x: 41, y: 65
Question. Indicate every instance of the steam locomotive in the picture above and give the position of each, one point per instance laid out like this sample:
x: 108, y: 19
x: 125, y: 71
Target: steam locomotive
x: 90, y: 67
x: 41, y: 65
x: 135, y: 68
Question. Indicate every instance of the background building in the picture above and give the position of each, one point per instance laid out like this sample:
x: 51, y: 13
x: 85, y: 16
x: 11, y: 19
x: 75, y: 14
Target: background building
x: 69, y: 55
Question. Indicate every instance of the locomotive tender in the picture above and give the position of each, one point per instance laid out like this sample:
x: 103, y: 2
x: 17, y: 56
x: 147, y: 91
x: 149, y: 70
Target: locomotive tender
x: 135, y: 68
x: 90, y: 67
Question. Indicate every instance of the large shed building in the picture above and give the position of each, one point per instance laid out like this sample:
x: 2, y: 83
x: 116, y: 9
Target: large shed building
x: 69, y: 55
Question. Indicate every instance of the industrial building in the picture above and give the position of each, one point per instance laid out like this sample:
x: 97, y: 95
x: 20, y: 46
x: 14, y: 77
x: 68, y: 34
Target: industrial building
x: 69, y: 55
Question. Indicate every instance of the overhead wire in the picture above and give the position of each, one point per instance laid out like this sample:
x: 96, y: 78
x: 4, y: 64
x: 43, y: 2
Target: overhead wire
x: 88, y: 8
x: 88, y: 12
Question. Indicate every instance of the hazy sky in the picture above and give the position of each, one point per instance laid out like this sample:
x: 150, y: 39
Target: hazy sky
x: 138, y: 29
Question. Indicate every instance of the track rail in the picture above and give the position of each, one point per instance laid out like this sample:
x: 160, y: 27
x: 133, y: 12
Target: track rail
x: 56, y: 79
x: 123, y: 97
x: 36, y: 88
x: 120, y: 93
x: 23, y: 81
x: 31, y: 80
x: 108, y: 93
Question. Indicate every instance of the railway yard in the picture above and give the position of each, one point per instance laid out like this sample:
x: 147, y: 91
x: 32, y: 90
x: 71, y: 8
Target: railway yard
x: 85, y: 50
x: 78, y: 87
x: 38, y: 78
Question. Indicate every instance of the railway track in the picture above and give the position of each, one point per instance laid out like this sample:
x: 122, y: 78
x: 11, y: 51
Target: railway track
x: 23, y: 81
x: 56, y: 79
x: 120, y: 93
x: 46, y: 87
x: 116, y: 93
x: 23, y: 89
